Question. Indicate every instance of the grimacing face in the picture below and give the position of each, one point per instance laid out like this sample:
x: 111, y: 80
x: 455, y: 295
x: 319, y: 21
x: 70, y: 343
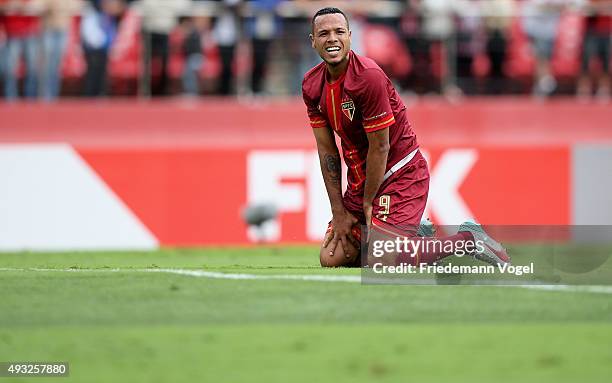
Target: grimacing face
x: 331, y: 38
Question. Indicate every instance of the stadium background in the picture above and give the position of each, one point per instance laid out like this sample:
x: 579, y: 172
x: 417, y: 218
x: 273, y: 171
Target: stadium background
x: 123, y: 249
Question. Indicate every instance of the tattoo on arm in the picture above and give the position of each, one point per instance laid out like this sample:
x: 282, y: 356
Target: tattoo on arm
x: 333, y: 167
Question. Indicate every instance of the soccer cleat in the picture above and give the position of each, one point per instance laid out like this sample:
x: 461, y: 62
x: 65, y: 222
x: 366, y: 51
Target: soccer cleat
x: 493, y: 252
x: 426, y: 229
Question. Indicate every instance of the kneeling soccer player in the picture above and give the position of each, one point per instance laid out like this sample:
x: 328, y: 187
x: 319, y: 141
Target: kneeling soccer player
x: 388, y: 179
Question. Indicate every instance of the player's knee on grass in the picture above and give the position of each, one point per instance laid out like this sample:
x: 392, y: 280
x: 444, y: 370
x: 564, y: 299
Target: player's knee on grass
x: 339, y: 258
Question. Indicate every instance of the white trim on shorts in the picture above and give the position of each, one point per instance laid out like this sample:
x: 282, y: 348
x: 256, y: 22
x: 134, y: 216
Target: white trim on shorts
x: 400, y: 164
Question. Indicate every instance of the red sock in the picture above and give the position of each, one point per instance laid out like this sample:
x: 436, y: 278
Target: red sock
x: 434, y: 249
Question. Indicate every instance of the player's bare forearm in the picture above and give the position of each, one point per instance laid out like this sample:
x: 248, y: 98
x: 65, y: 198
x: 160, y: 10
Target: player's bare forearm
x: 342, y: 220
x: 376, y: 163
x: 332, y: 175
x: 331, y: 167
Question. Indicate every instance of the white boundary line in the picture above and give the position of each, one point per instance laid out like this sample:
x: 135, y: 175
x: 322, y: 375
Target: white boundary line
x: 290, y: 277
x: 298, y: 277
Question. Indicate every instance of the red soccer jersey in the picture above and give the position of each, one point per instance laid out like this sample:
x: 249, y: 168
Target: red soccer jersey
x: 363, y: 100
x: 18, y: 25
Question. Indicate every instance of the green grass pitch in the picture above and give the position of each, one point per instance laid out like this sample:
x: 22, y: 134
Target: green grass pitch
x: 113, y: 322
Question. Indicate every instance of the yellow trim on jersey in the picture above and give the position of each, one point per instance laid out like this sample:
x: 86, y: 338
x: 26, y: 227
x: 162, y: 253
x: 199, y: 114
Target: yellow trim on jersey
x: 334, y: 109
x: 389, y: 121
x: 355, y: 165
x: 318, y: 123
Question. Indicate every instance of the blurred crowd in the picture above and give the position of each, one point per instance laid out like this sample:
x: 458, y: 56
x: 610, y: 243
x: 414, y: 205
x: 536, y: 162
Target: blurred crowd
x: 93, y: 48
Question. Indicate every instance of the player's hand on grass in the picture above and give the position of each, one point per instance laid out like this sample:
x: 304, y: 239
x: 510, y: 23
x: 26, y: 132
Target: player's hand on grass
x: 342, y: 224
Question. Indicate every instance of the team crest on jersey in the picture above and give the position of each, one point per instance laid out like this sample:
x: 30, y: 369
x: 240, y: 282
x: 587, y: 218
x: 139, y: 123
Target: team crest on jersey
x: 348, y: 108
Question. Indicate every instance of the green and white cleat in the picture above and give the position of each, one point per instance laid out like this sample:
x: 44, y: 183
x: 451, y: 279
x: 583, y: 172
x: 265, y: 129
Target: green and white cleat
x: 492, y: 251
x: 426, y: 229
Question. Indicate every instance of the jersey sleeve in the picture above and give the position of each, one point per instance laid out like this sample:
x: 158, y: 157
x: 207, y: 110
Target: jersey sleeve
x: 374, y: 101
x: 317, y: 120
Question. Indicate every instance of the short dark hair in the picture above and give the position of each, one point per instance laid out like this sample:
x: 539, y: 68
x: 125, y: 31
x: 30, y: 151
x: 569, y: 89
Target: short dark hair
x: 328, y: 11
